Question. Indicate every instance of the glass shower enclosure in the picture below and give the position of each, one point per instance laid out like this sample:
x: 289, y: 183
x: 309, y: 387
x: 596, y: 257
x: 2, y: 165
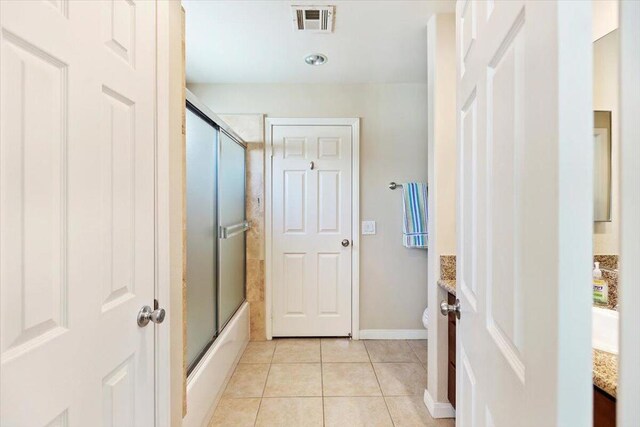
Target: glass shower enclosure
x: 215, y: 227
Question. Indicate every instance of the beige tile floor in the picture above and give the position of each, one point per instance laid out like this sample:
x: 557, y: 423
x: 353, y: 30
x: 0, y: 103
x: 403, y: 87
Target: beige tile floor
x: 328, y: 382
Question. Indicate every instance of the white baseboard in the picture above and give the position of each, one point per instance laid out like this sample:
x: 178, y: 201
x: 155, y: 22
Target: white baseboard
x: 438, y: 409
x: 393, y: 334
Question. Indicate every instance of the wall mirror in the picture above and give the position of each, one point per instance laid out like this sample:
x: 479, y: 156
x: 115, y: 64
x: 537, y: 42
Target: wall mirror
x: 602, y: 166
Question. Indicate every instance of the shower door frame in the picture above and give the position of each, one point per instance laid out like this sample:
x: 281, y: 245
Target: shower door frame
x: 201, y: 110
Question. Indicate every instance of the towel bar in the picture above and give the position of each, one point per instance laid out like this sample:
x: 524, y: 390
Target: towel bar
x: 394, y: 185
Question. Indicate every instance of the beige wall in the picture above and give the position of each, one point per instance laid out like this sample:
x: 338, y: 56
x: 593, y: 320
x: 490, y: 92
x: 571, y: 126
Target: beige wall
x: 170, y: 206
x: 441, y: 50
x: 393, y: 279
x: 605, y: 97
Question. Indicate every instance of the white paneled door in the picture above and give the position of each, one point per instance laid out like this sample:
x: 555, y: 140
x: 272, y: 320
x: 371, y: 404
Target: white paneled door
x: 77, y: 212
x: 524, y: 213
x: 311, y: 230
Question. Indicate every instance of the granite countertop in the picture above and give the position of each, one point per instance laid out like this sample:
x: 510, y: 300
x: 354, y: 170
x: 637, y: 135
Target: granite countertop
x: 448, y: 285
x: 605, y: 365
x: 605, y: 372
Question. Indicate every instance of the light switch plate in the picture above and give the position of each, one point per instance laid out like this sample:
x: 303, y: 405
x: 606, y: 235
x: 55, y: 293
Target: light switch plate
x: 368, y: 227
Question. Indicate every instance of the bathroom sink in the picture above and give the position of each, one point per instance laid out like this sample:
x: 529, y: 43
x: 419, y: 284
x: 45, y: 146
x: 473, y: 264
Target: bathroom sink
x: 604, y: 335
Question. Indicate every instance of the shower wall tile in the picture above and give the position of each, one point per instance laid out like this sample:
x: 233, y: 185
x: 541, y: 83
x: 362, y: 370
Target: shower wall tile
x: 255, y: 242
x: 255, y: 200
x: 255, y: 239
x: 255, y: 280
x: 257, y: 323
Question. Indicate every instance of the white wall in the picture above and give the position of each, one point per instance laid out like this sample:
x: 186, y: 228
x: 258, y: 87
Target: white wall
x: 605, y: 17
x: 393, y: 279
x: 606, y: 60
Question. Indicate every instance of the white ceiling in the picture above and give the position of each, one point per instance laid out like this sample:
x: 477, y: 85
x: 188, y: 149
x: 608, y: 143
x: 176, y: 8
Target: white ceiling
x: 254, y: 42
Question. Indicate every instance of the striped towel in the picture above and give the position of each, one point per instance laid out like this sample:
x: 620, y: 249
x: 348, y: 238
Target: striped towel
x: 414, y: 203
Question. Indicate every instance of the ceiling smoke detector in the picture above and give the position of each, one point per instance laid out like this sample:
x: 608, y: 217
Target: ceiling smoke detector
x: 313, y: 19
x: 315, y: 59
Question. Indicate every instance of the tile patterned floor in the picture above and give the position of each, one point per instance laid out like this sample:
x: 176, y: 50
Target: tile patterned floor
x: 328, y: 382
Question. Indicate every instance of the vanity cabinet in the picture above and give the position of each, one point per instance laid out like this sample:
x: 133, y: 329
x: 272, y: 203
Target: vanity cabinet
x: 451, y: 365
x: 604, y: 409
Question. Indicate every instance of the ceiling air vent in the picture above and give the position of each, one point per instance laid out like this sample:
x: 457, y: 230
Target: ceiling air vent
x: 315, y: 19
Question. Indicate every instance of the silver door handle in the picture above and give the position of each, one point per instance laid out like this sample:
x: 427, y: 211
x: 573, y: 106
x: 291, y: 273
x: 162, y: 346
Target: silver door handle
x: 345, y: 242
x: 445, y: 308
x: 312, y: 165
x: 146, y: 314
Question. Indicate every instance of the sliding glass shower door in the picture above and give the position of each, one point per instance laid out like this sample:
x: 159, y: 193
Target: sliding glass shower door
x: 233, y: 227
x: 202, y: 236
x: 215, y: 229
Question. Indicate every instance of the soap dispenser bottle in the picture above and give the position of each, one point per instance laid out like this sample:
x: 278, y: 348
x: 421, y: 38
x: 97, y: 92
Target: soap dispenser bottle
x: 600, y: 288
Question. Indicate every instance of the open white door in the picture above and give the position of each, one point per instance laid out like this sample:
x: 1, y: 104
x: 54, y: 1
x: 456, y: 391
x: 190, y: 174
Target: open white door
x: 629, y: 368
x: 77, y: 212
x: 524, y: 213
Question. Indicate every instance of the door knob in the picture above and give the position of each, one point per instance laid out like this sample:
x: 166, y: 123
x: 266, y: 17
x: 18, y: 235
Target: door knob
x: 446, y: 309
x: 146, y: 314
x: 345, y: 242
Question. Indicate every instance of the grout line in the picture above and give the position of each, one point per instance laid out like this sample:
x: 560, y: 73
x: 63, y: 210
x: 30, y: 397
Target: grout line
x: 255, y: 422
x: 329, y: 396
x: 383, y: 396
x: 382, y: 393
x: 365, y: 395
x: 252, y: 363
x: 291, y: 397
x: 368, y: 354
x: 384, y: 363
x: 323, y: 396
x: 291, y: 363
x: 322, y: 383
x: 414, y: 359
x: 416, y: 353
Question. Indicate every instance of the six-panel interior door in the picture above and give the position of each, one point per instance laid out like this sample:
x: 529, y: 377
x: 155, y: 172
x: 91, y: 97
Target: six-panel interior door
x: 311, y: 230
x: 77, y: 212
x: 510, y: 257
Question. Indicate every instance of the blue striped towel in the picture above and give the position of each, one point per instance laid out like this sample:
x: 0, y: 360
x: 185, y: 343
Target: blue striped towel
x: 414, y: 203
